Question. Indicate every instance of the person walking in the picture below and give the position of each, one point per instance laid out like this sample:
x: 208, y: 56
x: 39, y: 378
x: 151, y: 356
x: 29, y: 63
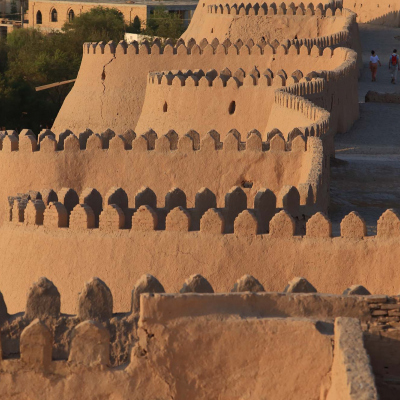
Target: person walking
x: 373, y: 65
x: 394, y: 65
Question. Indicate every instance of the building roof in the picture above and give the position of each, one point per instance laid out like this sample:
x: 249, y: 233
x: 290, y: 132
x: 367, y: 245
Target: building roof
x: 152, y: 3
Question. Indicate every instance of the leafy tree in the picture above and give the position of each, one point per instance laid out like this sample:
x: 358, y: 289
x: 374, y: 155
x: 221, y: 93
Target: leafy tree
x: 29, y: 58
x: 98, y: 24
x: 164, y: 24
x: 135, y: 26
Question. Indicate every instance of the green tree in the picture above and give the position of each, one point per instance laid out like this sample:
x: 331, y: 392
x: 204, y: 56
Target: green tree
x: 135, y: 26
x: 29, y: 58
x: 164, y: 24
x: 98, y: 24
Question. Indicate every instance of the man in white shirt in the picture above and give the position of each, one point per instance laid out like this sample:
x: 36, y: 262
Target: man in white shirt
x: 394, y: 65
x: 373, y: 65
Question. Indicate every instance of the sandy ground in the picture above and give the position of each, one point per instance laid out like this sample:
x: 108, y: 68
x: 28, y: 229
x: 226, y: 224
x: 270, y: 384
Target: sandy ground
x: 366, y: 172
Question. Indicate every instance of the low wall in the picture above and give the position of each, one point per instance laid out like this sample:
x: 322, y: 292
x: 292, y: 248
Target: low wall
x: 163, y: 308
x: 352, y: 377
x: 181, y: 340
x: 376, y: 97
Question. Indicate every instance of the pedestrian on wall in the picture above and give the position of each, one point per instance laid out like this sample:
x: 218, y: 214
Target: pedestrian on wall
x: 394, y: 65
x: 373, y: 65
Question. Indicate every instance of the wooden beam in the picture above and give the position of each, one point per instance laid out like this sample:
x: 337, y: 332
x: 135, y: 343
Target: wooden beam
x: 51, y: 85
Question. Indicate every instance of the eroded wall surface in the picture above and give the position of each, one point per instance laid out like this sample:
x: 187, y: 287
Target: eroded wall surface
x: 121, y: 257
x: 93, y: 102
x: 381, y: 12
x: 262, y: 344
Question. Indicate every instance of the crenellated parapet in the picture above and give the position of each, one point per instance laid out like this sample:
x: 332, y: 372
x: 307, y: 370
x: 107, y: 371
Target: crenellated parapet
x: 272, y: 9
x: 112, y: 212
x: 227, y: 20
x: 279, y: 216
x: 150, y: 141
x: 216, y: 47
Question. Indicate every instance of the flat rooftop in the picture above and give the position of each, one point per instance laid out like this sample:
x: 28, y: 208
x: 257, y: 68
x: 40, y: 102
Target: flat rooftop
x: 154, y: 3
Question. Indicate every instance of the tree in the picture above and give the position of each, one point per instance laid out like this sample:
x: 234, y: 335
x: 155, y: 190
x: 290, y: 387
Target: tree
x: 29, y: 58
x: 164, y: 24
x: 135, y: 26
x: 98, y: 24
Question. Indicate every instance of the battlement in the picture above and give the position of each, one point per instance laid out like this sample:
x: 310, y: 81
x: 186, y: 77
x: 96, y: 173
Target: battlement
x: 243, y: 163
x: 228, y: 17
x: 90, y: 210
x: 263, y: 9
x: 215, y: 47
x: 306, y: 55
x: 252, y: 92
x: 279, y: 216
x: 149, y: 141
x: 239, y: 78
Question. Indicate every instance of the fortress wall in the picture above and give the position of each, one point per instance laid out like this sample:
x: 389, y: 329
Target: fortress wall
x: 385, y: 12
x: 180, y: 363
x: 216, y: 165
x: 170, y: 105
x: 330, y: 92
x: 95, y: 105
x: 120, y: 257
x: 254, y: 27
x: 272, y: 21
x: 252, y: 107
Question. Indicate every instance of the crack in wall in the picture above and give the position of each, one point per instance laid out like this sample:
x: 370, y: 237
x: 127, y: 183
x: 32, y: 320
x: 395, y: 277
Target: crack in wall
x: 103, y: 78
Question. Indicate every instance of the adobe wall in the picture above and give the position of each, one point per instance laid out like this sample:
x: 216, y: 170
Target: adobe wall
x: 270, y: 21
x: 120, y: 257
x: 97, y: 106
x: 385, y: 12
x: 351, y: 377
x: 283, y: 357
x: 176, y: 105
x: 177, y: 342
x: 179, y: 162
x: 129, y: 12
x: 338, y: 93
